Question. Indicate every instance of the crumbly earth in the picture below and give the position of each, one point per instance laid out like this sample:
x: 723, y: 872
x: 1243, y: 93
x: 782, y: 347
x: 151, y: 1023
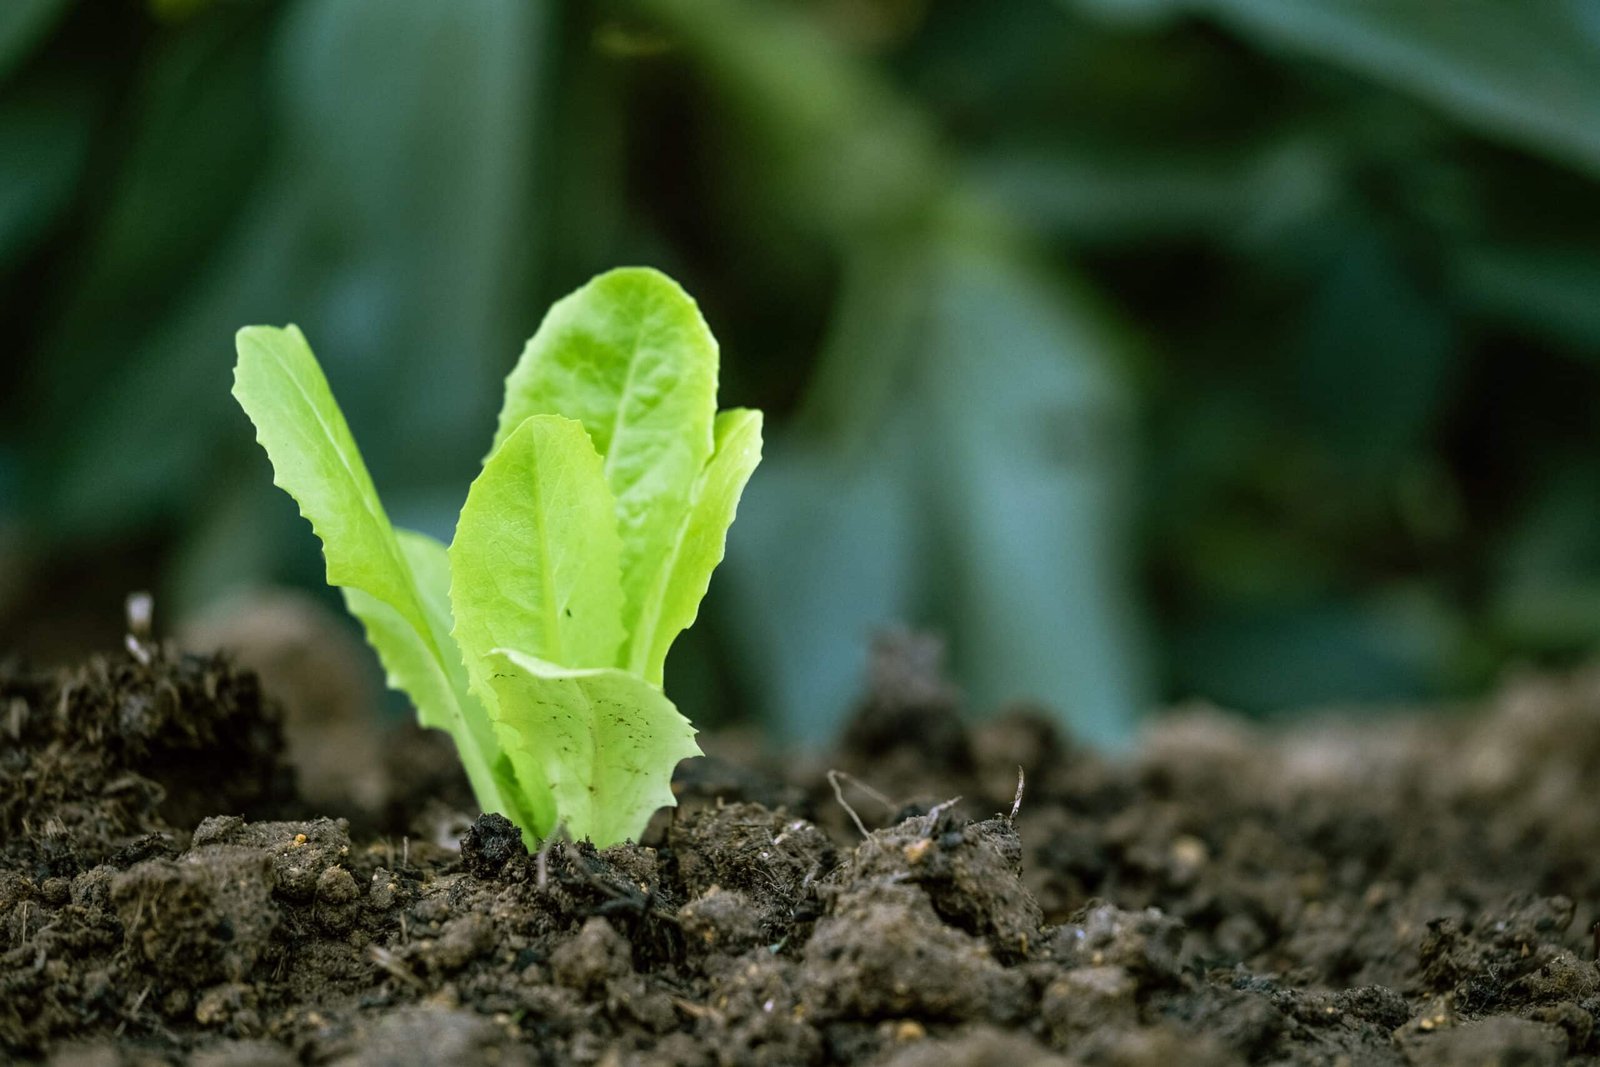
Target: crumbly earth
x: 1419, y: 893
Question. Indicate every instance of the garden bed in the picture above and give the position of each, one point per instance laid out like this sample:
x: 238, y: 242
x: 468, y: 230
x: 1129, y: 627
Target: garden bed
x: 1415, y: 891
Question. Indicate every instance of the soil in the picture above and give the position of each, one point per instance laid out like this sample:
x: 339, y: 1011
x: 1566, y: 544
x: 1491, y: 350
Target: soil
x: 1413, y: 892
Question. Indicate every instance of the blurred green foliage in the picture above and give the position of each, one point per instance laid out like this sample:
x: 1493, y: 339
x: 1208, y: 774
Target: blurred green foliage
x: 1149, y: 348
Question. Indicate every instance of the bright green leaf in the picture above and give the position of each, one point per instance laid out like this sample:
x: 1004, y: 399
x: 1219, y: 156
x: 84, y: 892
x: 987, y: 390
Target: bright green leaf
x: 534, y: 562
x: 605, y: 741
x: 702, y: 538
x: 391, y: 581
x: 629, y: 356
x: 534, y: 565
x: 315, y: 460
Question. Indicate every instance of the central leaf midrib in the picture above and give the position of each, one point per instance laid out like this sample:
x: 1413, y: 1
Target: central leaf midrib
x: 547, y: 572
x: 619, y: 420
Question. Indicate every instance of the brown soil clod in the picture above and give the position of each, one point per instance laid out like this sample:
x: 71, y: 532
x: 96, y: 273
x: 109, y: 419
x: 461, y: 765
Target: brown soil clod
x: 491, y: 843
x: 1414, y: 894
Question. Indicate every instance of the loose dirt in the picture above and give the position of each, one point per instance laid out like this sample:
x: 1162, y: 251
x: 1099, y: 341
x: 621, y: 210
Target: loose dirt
x: 1406, y: 892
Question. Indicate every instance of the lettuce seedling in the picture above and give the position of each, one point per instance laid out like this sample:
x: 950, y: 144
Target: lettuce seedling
x: 538, y: 638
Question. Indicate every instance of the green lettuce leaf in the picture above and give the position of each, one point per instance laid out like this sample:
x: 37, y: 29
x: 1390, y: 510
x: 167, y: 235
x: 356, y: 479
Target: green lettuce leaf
x: 534, y: 566
x: 605, y: 741
x: 392, y: 580
x: 674, y: 601
x: 629, y: 356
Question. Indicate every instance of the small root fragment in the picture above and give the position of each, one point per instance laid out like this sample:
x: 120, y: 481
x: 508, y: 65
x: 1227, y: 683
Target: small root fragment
x: 838, y: 794
x: 937, y: 812
x: 542, y: 858
x: 392, y: 965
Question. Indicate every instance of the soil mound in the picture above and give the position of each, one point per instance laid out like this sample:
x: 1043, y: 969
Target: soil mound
x: 1418, y: 893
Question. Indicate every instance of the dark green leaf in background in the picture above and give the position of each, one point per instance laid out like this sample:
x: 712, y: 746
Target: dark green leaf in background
x: 23, y: 25
x: 1264, y: 328
x: 1526, y: 71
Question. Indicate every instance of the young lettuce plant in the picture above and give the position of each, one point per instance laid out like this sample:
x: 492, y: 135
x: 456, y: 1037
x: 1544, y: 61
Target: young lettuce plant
x: 537, y: 639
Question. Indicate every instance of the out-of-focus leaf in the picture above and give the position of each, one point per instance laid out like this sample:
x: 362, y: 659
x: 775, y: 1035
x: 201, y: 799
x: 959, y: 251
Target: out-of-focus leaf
x: 1547, y: 589
x: 177, y: 10
x: 384, y: 214
x: 131, y: 345
x: 23, y: 24
x: 44, y: 141
x: 827, y: 553
x: 1113, y: 197
x: 960, y: 389
x: 1525, y: 72
x: 1375, y: 355
x: 1031, y: 446
x: 987, y: 502
x: 831, y: 539
x: 847, y: 151
x: 1296, y: 656
x: 1553, y: 291
x: 408, y: 145
x: 197, y: 140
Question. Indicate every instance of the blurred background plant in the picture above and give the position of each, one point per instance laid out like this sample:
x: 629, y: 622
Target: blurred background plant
x: 1149, y: 349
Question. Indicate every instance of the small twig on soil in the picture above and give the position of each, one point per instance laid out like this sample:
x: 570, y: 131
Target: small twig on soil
x: 867, y: 789
x: 1016, y: 805
x: 133, y: 1009
x: 838, y: 794
x: 936, y: 812
x: 64, y: 702
x: 643, y: 904
x: 22, y: 934
x: 696, y: 1011
x: 576, y: 862
x: 391, y: 964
